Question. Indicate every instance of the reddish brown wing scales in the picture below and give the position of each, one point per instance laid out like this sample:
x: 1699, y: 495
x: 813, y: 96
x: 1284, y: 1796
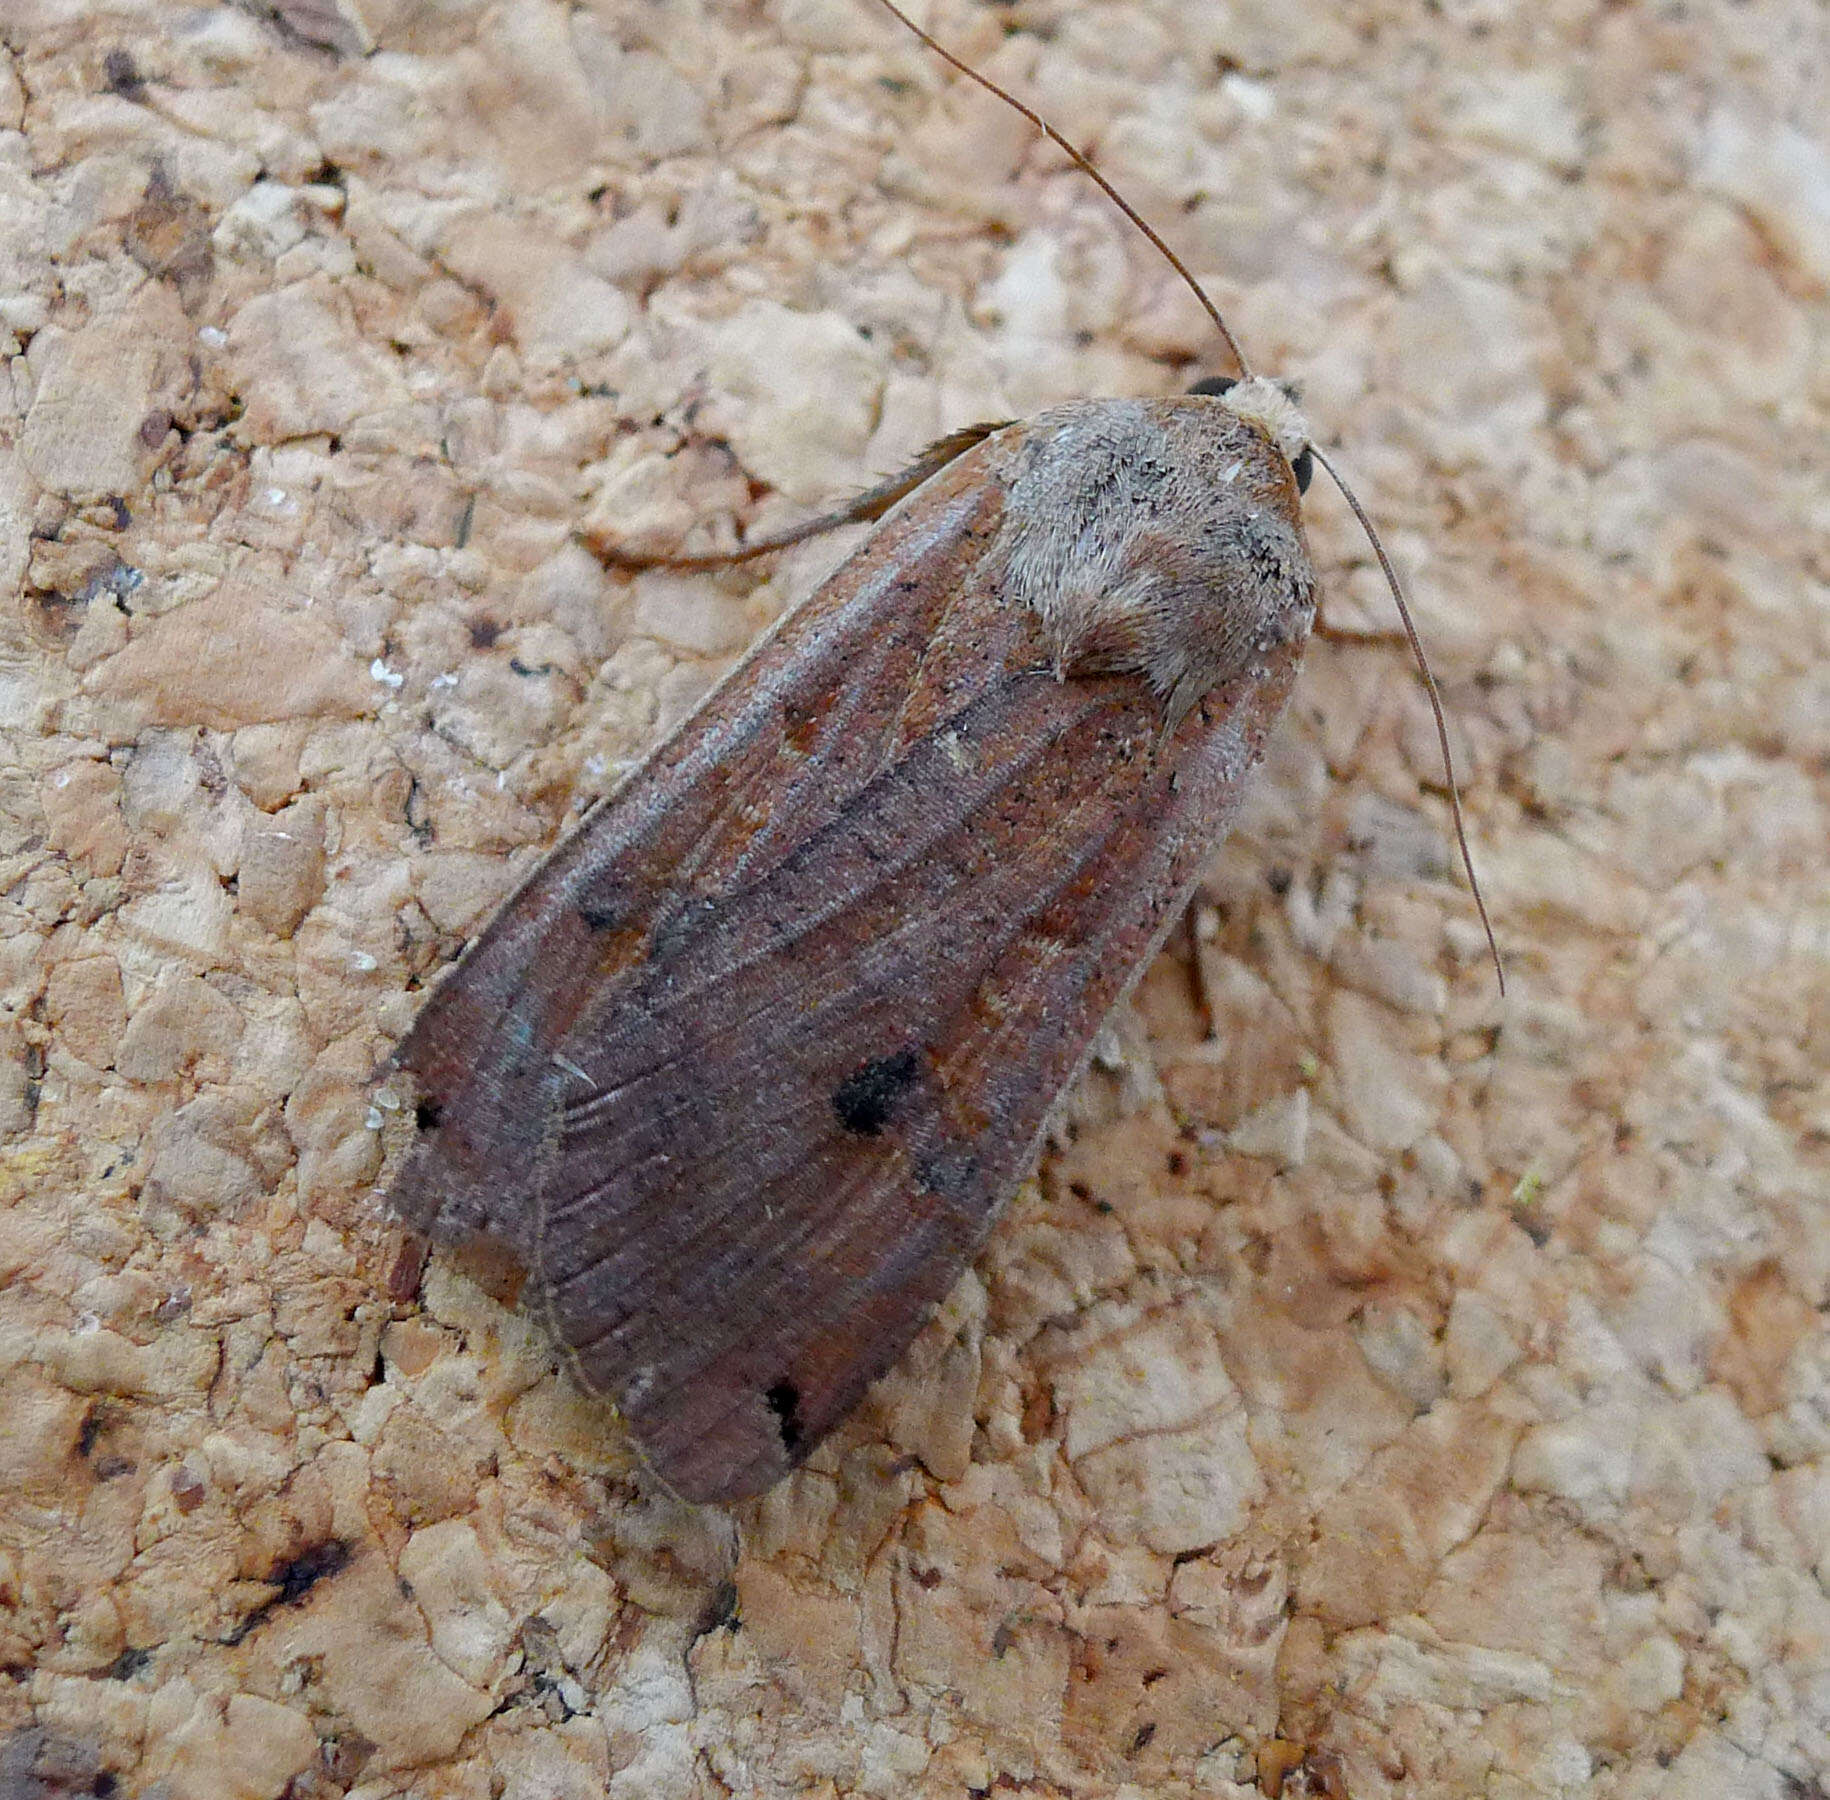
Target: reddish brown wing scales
x: 766, y: 759
x: 744, y: 1072
x: 862, y: 1050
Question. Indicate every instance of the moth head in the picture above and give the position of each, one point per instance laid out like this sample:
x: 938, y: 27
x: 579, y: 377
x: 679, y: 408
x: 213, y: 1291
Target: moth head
x: 1271, y: 406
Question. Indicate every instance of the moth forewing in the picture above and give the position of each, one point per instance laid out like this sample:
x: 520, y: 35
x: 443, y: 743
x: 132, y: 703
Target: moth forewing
x: 742, y: 1075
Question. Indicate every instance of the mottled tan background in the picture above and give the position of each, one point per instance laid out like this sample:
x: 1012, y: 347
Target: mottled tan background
x: 1385, y: 1390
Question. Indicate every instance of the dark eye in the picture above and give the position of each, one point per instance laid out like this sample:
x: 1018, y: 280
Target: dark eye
x: 1303, y: 468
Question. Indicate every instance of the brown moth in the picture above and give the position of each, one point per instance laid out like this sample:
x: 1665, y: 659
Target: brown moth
x: 742, y: 1075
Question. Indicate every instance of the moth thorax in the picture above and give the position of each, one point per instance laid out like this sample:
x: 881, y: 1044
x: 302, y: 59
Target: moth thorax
x: 1264, y: 403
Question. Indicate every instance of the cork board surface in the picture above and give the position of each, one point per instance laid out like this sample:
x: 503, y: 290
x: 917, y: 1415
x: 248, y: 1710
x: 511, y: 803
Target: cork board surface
x: 1384, y: 1389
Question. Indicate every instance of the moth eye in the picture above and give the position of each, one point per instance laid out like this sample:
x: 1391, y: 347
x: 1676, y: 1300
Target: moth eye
x: 1303, y: 468
x: 1214, y: 384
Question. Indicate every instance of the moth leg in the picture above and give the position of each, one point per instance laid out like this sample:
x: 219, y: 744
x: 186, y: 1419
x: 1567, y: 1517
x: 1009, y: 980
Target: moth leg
x: 870, y: 505
x: 1338, y: 634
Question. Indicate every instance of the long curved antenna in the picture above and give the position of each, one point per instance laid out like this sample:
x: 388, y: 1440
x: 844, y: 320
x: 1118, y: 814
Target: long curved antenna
x: 1430, y: 688
x: 1085, y: 165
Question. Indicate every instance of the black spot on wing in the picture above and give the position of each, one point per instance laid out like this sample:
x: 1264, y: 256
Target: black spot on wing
x: 865, y: 1101
x: 674, y: 931
x: 605, y: 905
x: 951, y: 1173
x: 427, y: 1114
x: 784, y: 1400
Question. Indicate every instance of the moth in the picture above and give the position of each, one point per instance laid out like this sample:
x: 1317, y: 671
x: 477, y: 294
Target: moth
x: 741, y: 1076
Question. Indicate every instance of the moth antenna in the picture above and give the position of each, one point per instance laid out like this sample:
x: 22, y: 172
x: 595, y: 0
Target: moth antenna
x: 1430, y: 688
x: 1085, y: 165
